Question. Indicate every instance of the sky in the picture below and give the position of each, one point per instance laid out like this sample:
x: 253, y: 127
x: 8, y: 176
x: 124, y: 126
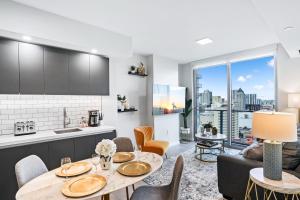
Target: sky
x: 253, y: 76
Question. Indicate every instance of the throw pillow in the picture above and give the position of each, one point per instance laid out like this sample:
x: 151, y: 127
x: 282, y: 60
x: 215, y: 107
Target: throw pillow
x: 291, y: 155
x: 254, y: 152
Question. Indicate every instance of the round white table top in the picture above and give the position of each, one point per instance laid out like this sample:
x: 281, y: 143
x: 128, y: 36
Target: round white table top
x: 211, y: 137
x: 289, y: 184
x: 48, y: 186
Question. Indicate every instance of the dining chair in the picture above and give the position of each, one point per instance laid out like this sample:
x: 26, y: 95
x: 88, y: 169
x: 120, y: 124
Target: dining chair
x: 144, y: 140
x: 124, y: 144
x: 165, y: 192
x: 28, y: 168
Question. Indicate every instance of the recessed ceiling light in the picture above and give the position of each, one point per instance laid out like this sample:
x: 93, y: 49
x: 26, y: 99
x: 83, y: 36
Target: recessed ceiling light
x: 94, y: 50
x: 288, y: 28
x: 26, y: 38
x: 204, y: 41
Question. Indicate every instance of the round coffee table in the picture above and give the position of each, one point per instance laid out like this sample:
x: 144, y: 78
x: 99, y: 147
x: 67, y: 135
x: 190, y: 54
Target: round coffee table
x: 208, y: 150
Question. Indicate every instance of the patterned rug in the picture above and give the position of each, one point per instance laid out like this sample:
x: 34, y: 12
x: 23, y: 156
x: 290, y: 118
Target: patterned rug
x: 199, y: 179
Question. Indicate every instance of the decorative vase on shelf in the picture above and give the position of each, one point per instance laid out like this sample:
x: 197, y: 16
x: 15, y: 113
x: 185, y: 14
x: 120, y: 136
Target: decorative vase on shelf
x: 106, y: 149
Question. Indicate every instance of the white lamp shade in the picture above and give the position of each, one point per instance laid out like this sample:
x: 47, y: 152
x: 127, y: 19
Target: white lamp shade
x: 294, y: 100
x: 275, y: 126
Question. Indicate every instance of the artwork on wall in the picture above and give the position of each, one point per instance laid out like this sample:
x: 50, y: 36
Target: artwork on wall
x: 168, y: 99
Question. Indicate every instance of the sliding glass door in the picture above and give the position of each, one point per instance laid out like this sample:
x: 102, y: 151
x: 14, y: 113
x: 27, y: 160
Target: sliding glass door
x: 211, y: 98
x: 227, y: 95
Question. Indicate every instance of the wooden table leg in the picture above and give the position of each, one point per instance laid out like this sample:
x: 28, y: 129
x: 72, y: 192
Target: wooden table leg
x: 105, y: 197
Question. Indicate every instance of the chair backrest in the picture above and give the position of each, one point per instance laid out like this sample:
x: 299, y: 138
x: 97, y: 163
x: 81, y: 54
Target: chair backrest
x: 28, y: 168
x: 177, y: 173
x: 143, y: 134
x: 123, y: 144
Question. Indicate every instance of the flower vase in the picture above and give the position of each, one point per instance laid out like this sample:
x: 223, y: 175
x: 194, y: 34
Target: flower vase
x: 105, y: 162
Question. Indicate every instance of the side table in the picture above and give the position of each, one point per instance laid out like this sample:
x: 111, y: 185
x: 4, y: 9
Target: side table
x: 289, y: 186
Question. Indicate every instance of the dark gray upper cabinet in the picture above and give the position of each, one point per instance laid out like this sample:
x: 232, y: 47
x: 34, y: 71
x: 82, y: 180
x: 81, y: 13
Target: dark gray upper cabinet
x: 56, y: 65
x: 99, y: 75
x: 9, y: 67
x: 31, y: 59
x: 79, y: 73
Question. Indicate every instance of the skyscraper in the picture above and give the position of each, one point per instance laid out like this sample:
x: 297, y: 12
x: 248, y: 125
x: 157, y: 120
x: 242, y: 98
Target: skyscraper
x: 238, y: 99
x: 251, y: 99
x: 206, y: 98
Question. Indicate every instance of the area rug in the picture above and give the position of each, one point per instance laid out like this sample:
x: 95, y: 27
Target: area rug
x: 199, y: 179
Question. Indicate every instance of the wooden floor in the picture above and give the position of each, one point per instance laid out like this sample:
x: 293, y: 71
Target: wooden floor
x: 173, y: 151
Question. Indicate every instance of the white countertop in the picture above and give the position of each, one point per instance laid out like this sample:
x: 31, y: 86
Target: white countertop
x: 7, y: 141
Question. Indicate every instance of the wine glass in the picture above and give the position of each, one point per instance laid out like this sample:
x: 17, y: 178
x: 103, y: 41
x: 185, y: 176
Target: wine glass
x: 65, y: 165
x: 95, y: 160
x: 138, y: 152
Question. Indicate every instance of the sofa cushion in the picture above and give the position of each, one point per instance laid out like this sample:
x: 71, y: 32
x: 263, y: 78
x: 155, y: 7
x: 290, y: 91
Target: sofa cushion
x: 298, y: 169
x: 291, y: 155
x: 254, y: 152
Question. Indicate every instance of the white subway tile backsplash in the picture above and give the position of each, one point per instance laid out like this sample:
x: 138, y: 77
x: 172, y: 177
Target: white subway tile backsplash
x: 45, y: 110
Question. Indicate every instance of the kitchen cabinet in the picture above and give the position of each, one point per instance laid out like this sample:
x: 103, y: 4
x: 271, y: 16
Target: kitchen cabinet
x: 37, y: 69
x: 99, y: 75
x: 79, y: 73
x: 9, y: 67
x: 31, y: 61
x: 78, y: 148
x: 60, y: 149
x: 84, y: 147
x: 56, y: 64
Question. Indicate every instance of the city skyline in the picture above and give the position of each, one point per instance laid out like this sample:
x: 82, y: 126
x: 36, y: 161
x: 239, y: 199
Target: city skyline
x: 253, y: 76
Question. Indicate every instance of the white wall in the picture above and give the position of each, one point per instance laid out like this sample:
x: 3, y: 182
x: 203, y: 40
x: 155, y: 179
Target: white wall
x: 46, y: 28
x: 164, y: 71
x: 288, y: 76
x: 134, y: 88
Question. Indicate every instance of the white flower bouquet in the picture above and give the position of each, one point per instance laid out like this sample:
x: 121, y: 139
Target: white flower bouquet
x: 106, y: 149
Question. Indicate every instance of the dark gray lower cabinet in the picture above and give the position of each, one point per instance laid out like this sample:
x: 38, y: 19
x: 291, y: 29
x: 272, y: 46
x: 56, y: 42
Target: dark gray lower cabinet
x: 84, y: 148
x: 50, y: 152
x: 58, y: 150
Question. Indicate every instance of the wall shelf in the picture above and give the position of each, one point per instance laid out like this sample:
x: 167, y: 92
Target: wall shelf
x: 136, y: 74
x: 127, y: 110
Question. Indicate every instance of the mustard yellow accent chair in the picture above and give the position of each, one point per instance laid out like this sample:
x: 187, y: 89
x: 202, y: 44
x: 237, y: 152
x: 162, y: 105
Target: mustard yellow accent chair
x: 144, y: 140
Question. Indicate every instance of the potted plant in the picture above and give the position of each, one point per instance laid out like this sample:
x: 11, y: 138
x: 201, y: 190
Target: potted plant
x: 207, y: 128
x: 187, y: 111
x: 214, y: 131
x: 123, y: 102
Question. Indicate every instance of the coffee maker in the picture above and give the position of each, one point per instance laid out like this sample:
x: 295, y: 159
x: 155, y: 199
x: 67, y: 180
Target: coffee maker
x: 94, y: 118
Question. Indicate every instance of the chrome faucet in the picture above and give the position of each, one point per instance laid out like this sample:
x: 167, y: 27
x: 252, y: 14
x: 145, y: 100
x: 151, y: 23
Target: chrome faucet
x: 67, y: 119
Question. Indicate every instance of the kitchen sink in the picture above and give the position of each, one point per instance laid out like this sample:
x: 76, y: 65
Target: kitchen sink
x: 67, y: 130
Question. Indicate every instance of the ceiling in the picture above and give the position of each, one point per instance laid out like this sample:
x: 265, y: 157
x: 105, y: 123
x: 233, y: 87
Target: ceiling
x: 170, y: 27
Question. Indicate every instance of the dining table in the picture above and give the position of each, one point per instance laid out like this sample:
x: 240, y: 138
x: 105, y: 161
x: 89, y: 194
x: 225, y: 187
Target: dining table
x: 48, y: 186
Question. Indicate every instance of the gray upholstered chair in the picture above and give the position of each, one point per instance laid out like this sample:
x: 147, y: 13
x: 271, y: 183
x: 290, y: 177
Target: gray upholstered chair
x: 123, y: 144
x: 28, y: 168
x: 166, y: 192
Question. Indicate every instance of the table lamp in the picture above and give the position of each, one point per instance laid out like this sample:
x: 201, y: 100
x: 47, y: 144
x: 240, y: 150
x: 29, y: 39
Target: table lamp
x: 274, y: 128
x: 294, y: 102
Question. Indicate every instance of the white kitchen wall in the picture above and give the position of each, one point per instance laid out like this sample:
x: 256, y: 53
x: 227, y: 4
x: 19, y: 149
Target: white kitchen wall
x: 45, y: 110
